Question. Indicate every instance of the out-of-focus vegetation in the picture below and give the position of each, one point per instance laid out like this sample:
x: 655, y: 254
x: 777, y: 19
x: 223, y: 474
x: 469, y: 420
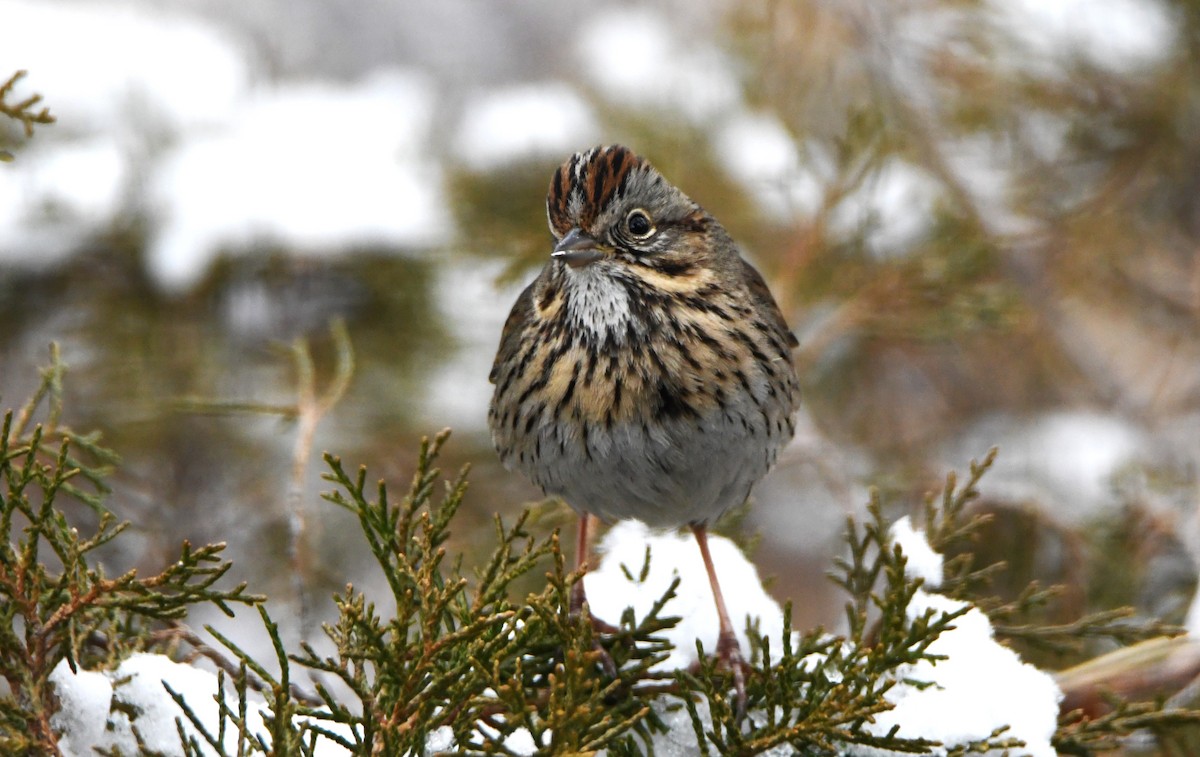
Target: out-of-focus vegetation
x: 1047, y: 263
x: 1065, y: 274
x: 1058, y: 267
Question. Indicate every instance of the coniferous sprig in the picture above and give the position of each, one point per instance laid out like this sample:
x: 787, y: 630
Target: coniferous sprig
x: 459, y: 653
x: 92, y: 462
x: 1082, y: 734
x: 1118, y: 625
x: 23, y: 111
x: 555, y: 688
x: 951, y: 529
x: 53, y: 599
x: 56, y: 602
x: 293, y: 720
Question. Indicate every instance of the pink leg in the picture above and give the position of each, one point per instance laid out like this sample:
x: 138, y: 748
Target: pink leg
x: 729, y: 653
x: 578, y: 596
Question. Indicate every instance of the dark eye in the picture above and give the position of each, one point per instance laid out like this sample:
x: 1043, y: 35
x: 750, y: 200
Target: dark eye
x: 639, y: 224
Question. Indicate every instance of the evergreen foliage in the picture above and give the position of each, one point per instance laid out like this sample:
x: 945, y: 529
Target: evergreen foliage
x: 461, y: 662
x: 951, y: 528
x: 23, y: 111
x: 56, y: 603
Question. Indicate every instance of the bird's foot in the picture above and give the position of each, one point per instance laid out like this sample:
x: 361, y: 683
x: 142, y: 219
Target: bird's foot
x: 604, y: 659
x: 578, y: 608
x: 729, y: 657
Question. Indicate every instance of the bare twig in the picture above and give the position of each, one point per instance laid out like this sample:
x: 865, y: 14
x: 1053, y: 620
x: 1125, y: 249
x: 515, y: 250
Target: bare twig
x: 310, y: 409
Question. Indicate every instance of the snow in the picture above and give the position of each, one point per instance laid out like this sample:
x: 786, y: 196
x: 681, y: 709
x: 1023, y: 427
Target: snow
x: 94, y: 68
x: 310, y: 167
x: 74, y: 179
x: 85, y: 700
x: 758, y: 152
x: 1192, y: 622
x: 617, y: 584
x: 89, y: 721
x: 215, y: 164
x: 519, y: 741
x: 473, y: 306
x: 56, y: 195
x: 892, y: 207
x: 980, y: 686
x: 982, y: 165
x: 923, y: 561
x: 441, y: 740
x: 1118, y: 35
x: 1067, y: 462
x: 1083, y: 451
x: 533, y: 121
x: 638, y: 61
x: 610, y: 591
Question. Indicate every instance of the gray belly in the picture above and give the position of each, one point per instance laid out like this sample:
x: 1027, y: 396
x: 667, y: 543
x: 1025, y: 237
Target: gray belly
x: 666, y: 473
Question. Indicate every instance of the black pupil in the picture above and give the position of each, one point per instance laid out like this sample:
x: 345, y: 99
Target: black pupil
x: 639, y: 224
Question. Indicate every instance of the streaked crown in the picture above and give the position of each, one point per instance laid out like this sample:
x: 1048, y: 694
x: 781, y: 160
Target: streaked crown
x: 588, y: 182
x: 596, y: 188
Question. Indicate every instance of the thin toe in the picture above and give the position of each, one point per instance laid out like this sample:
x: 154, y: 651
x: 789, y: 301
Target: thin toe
x: 729, y: 657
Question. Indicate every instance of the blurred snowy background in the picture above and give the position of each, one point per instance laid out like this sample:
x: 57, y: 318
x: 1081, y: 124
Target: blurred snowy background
x: 981, y: 218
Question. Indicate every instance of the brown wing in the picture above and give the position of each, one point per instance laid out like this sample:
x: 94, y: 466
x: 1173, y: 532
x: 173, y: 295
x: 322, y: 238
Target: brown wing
x: 510, y: 337
x: 766, y: 301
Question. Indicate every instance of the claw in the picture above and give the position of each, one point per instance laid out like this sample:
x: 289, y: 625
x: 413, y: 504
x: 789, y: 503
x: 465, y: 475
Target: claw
x: 606, y: 660
x: 579, y: 608
x: 729, y: 657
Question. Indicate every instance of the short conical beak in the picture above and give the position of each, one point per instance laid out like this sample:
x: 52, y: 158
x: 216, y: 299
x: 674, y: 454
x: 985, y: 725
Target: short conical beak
x: 577, y: 249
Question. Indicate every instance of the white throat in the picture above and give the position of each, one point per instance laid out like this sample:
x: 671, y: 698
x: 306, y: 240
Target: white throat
x: 598, y: 302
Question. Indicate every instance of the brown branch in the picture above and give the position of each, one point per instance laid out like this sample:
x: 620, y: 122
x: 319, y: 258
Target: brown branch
x: 79, y: 601
x: 1142, y: 670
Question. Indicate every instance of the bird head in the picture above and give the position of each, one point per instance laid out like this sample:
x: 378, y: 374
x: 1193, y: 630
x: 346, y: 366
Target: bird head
x: 609, y: 204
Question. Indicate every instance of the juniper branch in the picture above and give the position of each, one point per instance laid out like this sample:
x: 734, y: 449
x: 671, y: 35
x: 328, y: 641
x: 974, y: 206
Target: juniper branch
x: 23, y: 111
